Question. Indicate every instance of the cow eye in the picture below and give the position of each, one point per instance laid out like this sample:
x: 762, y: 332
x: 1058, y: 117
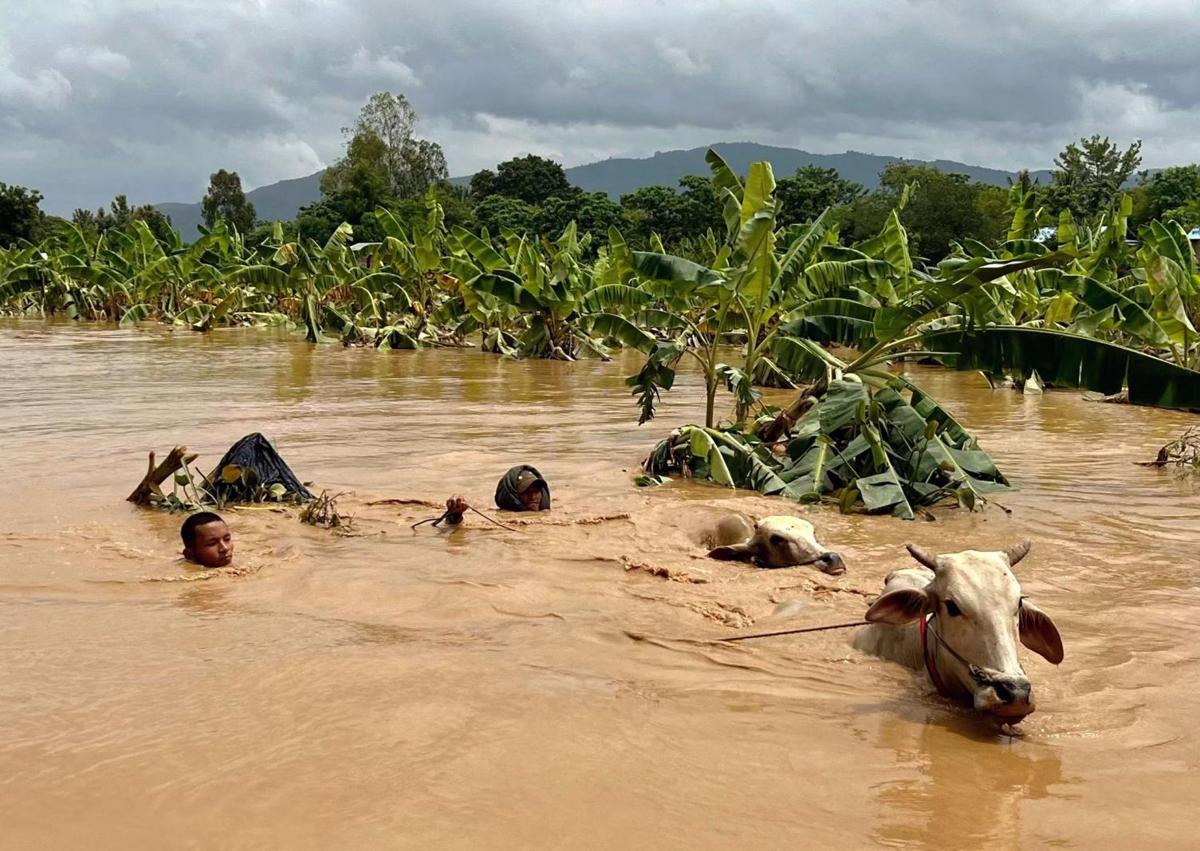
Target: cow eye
x: 777, y: 540
x: 952, y: 609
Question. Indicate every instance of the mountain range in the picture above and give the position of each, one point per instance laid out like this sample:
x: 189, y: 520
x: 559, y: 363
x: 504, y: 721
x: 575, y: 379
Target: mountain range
x: 615, y: 177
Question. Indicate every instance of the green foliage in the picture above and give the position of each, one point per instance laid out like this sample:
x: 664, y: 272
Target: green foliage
x: 810, y: 191
x: 226, y: 201
x: 361, y: 180
x: 384, y: 165
x: 120, y: 215
x: 457, y: 209
x: 20, y: 216
x: 655, y: 376
x: 674, y: 217
x: 482, y: 185
x: 879, y: 444
x: 410, y: 165
x: 942, y: 209
x: 500, y: 213
x: 531, y: 179
x: 592, y: 212
x: 1089, y: 175
x: 1173, y: 194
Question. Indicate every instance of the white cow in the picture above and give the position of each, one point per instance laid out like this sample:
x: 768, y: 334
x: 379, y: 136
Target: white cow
x: 779, y: 541
x: 960, y: 615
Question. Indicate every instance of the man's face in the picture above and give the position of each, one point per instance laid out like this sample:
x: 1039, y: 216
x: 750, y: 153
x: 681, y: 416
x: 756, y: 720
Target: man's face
x: 213, y: 547
x: 532, y: 498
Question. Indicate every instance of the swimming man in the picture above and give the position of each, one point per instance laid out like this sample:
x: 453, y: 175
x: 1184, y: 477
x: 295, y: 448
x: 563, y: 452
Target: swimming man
x: 207, y: 540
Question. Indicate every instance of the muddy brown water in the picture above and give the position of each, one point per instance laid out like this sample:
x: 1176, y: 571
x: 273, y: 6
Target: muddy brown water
x: 480, y: 688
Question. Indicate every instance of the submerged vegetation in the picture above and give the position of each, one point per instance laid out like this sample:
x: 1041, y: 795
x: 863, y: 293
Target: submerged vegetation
x: 760, y: 300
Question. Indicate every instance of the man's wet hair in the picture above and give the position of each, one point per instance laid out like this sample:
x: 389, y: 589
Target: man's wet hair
x: 194, y: 522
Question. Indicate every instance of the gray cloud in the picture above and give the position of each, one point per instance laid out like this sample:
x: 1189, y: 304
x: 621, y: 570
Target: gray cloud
x: 149, y: 97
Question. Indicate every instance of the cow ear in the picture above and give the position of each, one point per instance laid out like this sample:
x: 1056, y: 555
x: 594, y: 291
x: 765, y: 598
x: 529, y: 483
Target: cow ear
x: 1039, y: 633
x: 901, y: 606
x: 735, y: 552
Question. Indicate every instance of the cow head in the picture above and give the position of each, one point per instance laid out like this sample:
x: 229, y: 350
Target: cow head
x: 980, y: 614
x: 783, y: 542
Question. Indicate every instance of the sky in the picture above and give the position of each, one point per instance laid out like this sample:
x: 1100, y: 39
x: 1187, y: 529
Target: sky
x: 148, y: 97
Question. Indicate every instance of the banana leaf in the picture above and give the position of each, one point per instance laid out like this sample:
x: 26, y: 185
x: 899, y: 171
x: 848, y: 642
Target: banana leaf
x: 667, y: 268
x: 613, y: 327
x: 616, y: 297
x: 1071, y: 360
x: 959, y: 276
x: 834, y: 320
x: 509, y: 289
x: 862, y: 443
x: 1131, y: 317
x: 802, y: 360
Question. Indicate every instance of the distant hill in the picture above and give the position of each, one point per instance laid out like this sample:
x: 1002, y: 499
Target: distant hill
x: 617, y: 176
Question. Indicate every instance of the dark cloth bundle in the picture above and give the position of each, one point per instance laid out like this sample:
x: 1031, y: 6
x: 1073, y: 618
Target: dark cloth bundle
x: 516, y: 482
x: 254, y: 452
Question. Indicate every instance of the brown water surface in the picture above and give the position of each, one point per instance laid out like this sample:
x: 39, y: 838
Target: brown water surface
x: 480, y: 688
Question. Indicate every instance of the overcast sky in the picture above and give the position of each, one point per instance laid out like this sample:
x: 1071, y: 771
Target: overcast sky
x: 148, y: 97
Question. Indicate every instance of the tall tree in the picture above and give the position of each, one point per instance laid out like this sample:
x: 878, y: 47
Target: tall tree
x: 1089, y: 175
x: 225, y: 200
x: 941, y: 209
x: 532, y: 179
x: 413, y: 165
x: 361, y: 180
x: 20, y: 215
x: 673, y: 215
x: 811, y: 190
x: 483, y: 184
x: 702, y: 208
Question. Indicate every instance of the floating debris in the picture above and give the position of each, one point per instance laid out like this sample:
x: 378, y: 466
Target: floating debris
x: 1182, y: 453
x: 323, y: 512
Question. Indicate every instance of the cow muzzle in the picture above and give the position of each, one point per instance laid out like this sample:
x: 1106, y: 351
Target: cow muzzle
x: 831, y: 563
x: 1007, y: 696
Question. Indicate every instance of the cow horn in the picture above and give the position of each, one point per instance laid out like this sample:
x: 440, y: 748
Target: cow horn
x: 1018, y: 552
x: 923, y: 557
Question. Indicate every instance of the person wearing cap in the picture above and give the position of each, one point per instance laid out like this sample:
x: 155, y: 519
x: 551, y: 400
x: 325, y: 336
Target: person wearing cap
x: 523, y: 489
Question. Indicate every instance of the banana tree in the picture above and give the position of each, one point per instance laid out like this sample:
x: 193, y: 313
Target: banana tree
x: 746, y: 289
x: 329, y: 289
x: 858, y: 432
x: 418, y: 255
x: 552, y: 296
x: 869, y: 440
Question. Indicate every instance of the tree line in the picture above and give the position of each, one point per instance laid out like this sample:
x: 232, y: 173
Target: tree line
x: 386, y: 166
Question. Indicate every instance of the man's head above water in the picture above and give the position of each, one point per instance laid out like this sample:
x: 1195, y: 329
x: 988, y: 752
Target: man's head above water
x: 530, y: 488
x: 207, y: 541
x: 523, y: 489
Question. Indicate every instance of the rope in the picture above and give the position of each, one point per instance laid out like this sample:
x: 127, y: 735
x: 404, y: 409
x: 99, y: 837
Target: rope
x: 450, y: 513
x: 495, y: 522
x: 794, y: 631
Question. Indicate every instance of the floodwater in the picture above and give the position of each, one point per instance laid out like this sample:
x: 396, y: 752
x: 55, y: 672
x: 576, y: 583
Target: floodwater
x: 481, y: 688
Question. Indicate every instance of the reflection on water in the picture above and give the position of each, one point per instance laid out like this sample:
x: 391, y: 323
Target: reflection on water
x: 967, y: 792
x: 479, y: 688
